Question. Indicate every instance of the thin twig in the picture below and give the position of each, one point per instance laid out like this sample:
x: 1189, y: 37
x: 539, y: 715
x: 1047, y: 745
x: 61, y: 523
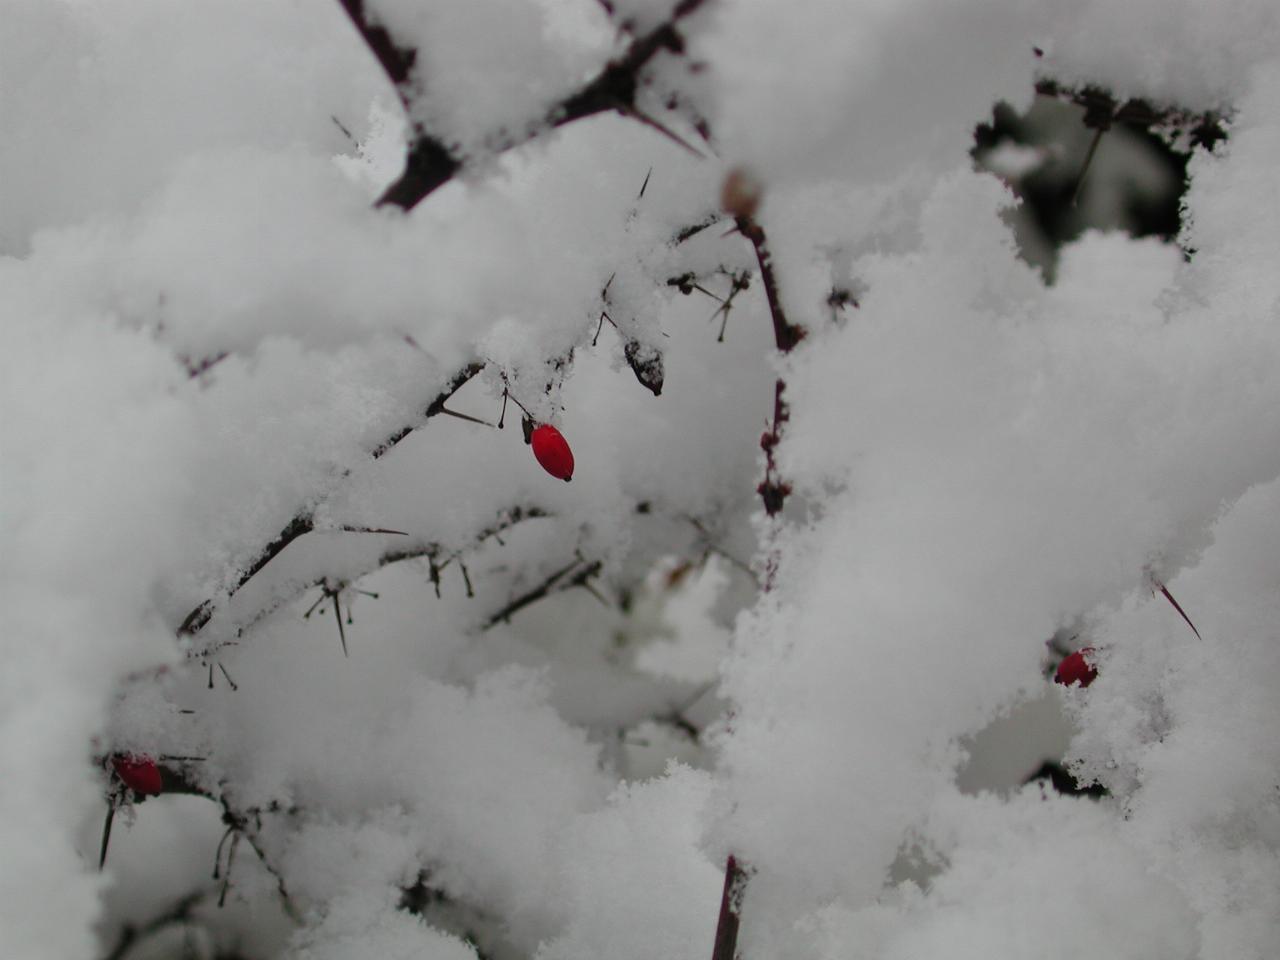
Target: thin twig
x: 709, y: 544
x: 1084, y: 168
x: 551, y: 584
x: 241, y: 823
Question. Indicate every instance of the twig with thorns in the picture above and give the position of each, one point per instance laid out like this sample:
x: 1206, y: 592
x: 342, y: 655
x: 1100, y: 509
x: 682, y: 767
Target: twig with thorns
x: 430, y: 163
x: 248, y: 825
x: 304, y: 521
x: 555, y: 583
x: 333, y: 591
x: 432, y: 552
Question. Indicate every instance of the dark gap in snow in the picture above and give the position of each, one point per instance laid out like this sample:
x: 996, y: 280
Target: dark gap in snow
x: 1133, y: 158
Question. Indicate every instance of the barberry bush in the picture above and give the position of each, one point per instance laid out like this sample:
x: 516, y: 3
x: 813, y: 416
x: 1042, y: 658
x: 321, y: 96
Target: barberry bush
x: 900, y: 359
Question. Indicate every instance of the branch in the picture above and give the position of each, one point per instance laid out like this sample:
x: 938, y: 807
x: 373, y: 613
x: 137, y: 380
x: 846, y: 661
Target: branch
x: 304, y: 522
x: 240, y: 823
x: 726, y: 942
x: 773, y: 489
x: 435, y: 408
x: 709, y: 546
x: 431, y: 551
x: 397, y: 62
x: 550, y: 585
x: 786, y: 335
x: 1204, y: 129
x: 430, y: 164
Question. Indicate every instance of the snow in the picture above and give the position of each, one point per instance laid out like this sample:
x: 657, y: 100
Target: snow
x: 563, y: 705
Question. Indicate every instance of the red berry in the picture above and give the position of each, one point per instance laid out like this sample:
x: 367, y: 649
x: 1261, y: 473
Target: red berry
x: 139, y: 773
x: 1076, y: 668
x: 552, y: 451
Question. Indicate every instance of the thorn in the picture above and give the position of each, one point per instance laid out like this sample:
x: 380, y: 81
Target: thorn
x: 106, y: 833
x: 644, y: 185
x: 460, y: 416
x: 226, y: 883
x: 1177, y: 606
x: 604, y: 294
x: 320, y: 599
x: 504, y: 404
x: 397, y: 533
x: 228, y: 676
x: 466, y: 578
x: 628, y: 111
x: 586, y: 585
x: 337, y: 615
x: 210, y: 674
x: 345, y: 132
x: 519, y: 404
x: 217, y: 853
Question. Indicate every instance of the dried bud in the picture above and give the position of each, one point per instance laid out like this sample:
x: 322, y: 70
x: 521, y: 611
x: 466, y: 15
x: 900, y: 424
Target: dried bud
x: 740, y: 193
x: 646, y: 363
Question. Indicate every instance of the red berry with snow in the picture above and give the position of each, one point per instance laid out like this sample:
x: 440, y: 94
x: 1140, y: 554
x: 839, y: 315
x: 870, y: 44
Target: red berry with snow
x: 139, y: 773
x: 552, y: 451
x: 1076, y: 668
